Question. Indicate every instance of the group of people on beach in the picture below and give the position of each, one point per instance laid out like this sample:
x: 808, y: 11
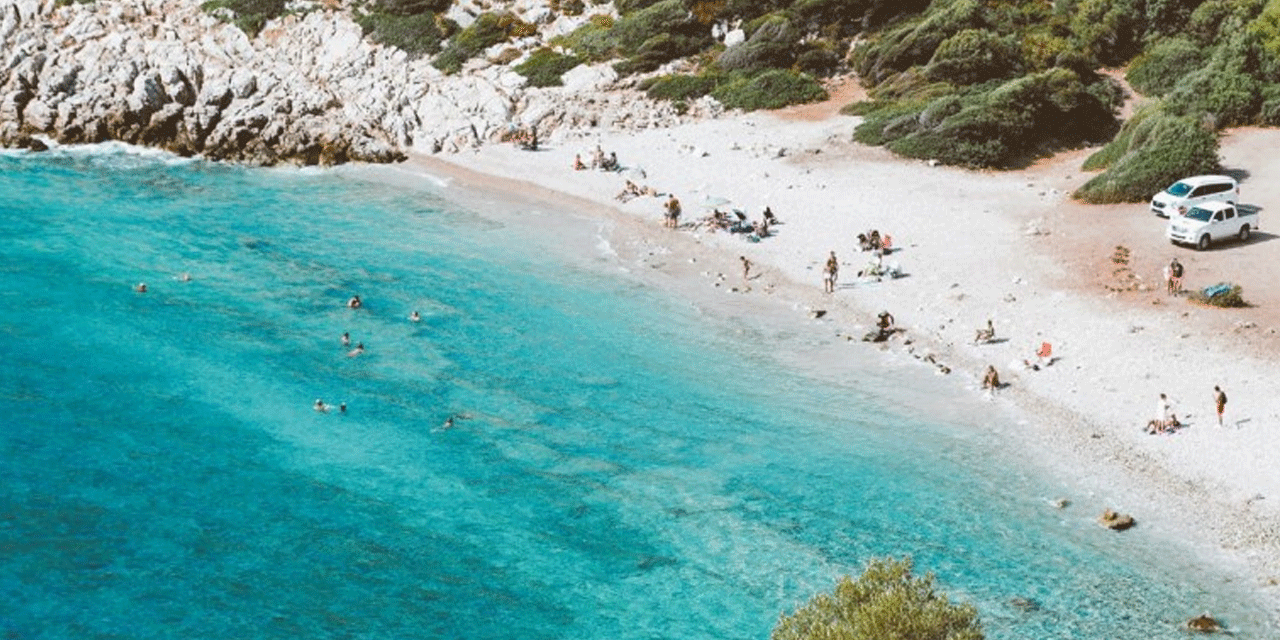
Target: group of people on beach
x: 599, y: 161
x: 1166, y: 421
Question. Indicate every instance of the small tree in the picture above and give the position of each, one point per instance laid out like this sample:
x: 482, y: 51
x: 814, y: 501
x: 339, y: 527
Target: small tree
x: 885, y: 602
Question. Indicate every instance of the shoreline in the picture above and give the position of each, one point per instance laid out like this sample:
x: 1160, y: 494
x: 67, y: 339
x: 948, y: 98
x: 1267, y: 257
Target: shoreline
x: 974, y: 245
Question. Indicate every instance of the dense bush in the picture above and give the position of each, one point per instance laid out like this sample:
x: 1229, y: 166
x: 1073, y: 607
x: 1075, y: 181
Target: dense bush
x: 914, y: 41
x: 996, y: 124
x: 487, y: 30
x: 772, y: 89
x: 410, y: 7
x: 772, y: 44
x: 1159, y: 69
x: 591, y: 41
x: 681, y: 87
x: 414, y: 34
x: 1109, y: 31
x: 885, y: 602
x: 249, y: 15
x: 544, y: 67
x: 666, y: 17
x: 1153, y: 150
x: 975, y: 55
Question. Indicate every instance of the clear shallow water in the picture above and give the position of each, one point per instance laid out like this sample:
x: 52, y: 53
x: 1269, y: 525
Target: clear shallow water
x: 630, y: 467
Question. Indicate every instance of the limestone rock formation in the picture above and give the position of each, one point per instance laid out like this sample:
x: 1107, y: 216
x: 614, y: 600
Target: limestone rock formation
x: 308, y: 89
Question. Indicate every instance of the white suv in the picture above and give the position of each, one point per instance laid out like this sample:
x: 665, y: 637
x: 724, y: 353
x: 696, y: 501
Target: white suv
x: 1189, y: 192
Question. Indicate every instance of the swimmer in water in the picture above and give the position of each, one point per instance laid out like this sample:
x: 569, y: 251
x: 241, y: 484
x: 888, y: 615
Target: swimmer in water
x: 141, y: 288
x: 354, y: 302
x: 185, y: 277
x: 356, y: 351
x: 342, y: 407
x: 415, y: 317
x: 321, y: 407
x: 346, y: 339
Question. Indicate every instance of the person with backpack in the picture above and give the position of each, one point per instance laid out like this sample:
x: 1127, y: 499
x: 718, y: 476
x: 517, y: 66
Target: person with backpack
x: 1175, y: 277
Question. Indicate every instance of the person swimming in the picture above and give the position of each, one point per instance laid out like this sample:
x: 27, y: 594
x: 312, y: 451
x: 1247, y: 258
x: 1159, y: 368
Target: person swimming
x: 320, y: 406
x: 354, y: 302
x: 356, y: 351
x: 141, y: 287
x: 415, y: 317
x: 346, y: 339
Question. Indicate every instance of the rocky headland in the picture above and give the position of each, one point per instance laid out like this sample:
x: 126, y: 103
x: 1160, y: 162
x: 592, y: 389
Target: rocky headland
x: 308, y: 89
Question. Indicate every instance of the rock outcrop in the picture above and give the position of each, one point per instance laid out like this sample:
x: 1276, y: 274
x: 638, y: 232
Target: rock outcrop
x: 308, y: 89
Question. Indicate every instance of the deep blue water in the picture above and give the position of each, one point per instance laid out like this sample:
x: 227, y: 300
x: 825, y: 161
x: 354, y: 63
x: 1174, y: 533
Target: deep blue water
x: 627, y: 467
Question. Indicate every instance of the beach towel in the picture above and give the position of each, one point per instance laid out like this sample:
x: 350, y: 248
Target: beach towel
x: 1046, y: 350
x: 1216, y: 290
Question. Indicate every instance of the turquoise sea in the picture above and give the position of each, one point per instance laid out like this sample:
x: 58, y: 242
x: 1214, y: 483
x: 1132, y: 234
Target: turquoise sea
x: 625, y: 464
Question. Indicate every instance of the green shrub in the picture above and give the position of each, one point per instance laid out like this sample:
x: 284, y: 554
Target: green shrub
x: 995, y: 125
x: 974, y: 55
x: 544, y: 67
x: 772, y: 89
x: 818, y: 59
x: 410, y: 7
x: 658, y: 50
x: 631, y: 6
x: 666, y: 17
x: 487, y: 30
x: 1108, y: 30
x: 1163, y: 65
x: 682, y: 87
x: 249, y: 15
x: 414, y: 34
x: 1226, y: 87
x: 1152, y: 150
x: 568, y: 7
x: 885, y: 602
x: 914, y: 41
x: 591, y: 41
x: 772, y: 44
x: 1232, y: 298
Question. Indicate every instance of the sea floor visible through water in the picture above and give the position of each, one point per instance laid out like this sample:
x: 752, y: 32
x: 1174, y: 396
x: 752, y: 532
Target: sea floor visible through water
x: 623, y: 461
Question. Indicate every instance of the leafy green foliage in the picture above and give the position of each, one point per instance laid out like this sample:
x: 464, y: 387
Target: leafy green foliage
x: 487, y: 30
x: 417, y: 34
x: 975, y: 55
x: 914, y: 41
x: 682, y: 87
x: 249, y: 15
x: 771, y: 45
x: 544, y: 67
x: 410, y: 7
x: 1154, y: 149
x: 996, y: 124
x: 773, y: 89
x: 885, y: 602
x: 1163, y: 65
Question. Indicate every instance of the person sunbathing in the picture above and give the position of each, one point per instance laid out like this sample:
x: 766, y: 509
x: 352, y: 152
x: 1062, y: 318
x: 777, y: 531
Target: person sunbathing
x: 985, y: 335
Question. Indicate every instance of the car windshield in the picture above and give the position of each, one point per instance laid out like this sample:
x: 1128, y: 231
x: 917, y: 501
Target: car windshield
x: 1196, y: 213
x: 1179, y: 189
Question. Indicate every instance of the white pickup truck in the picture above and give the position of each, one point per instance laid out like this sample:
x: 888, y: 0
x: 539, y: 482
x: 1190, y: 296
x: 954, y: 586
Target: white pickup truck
x: 1210, y: 222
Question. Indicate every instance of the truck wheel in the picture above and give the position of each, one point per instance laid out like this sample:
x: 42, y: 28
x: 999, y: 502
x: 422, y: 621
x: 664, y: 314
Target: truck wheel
x: 1202, y: 243
x: 1244, y: 233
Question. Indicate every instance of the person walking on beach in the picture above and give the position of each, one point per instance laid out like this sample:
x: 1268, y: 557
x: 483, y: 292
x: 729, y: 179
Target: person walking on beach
x: 1175, y: 277
x: 746, y: 267
x: 829, y: 273
x: 673, y: 213
x: 1219, y: 401
x: 1162, y: 413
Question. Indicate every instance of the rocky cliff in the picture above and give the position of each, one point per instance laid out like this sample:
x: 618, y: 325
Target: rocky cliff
x: 308, y: 89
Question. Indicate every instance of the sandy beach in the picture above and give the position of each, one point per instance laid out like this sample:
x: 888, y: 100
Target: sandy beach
x: 1010, y: 247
